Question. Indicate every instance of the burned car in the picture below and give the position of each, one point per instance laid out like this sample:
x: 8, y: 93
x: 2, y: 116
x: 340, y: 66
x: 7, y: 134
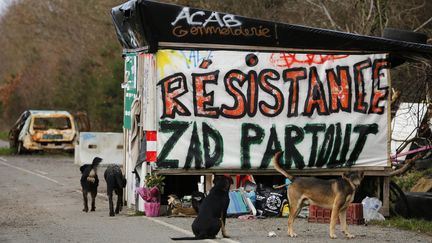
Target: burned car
x: 37, y: 130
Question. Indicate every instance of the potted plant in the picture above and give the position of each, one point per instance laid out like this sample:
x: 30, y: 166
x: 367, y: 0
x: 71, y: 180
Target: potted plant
x: 155, y: 181
x: 151, y: 194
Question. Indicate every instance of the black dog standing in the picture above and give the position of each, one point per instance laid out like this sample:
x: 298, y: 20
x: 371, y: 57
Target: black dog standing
x: 212, y: 212
x: 90, y: 182
x: 115, y: 183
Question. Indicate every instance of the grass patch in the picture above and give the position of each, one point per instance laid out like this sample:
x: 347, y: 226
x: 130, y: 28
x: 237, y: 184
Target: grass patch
x: 4, y: 135
x: 417, y: 225
x: 6, y: 151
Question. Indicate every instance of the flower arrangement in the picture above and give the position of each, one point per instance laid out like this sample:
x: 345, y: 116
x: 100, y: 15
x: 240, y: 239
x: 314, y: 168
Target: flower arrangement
x: 153, y: 189
x: 155, y: 181
x: 149, y: 194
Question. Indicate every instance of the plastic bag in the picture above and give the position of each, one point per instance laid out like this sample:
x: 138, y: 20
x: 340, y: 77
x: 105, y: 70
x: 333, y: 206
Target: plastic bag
x: 371, y: 205
x: 251, y: 195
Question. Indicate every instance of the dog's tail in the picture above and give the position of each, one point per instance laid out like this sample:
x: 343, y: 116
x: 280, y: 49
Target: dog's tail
x: 277, y: 166
x: 96, y: 162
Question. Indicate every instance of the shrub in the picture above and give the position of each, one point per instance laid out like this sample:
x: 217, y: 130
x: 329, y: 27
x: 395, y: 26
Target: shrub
x: 408, y: 180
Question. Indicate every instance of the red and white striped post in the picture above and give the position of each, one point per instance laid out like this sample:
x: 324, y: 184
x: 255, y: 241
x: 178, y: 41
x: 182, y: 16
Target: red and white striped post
x: 151, y: 153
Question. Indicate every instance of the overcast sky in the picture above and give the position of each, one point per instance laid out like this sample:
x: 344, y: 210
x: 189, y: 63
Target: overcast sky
x: 3, y: 5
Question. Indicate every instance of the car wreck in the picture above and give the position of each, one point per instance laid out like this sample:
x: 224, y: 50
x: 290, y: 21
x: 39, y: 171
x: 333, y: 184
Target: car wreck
x: 37, y: 130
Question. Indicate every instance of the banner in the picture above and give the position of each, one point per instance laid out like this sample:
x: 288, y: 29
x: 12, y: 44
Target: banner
x: 234, y: 109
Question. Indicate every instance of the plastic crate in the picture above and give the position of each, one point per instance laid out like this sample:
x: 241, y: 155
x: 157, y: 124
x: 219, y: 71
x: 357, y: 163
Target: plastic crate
x: 354, y: 214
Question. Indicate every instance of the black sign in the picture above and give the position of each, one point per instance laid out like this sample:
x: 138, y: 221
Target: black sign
x: 144, y: 24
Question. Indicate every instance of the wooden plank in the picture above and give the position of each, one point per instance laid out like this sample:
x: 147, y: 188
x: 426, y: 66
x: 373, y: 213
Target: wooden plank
x: 369, y: 171
x: 389, y: 120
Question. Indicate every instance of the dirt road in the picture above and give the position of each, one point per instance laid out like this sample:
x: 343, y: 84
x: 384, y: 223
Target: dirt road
x: 40, y: 201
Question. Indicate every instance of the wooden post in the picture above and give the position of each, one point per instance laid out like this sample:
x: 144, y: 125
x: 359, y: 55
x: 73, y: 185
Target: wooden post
x: 379, y: 187
x: 385, y: 209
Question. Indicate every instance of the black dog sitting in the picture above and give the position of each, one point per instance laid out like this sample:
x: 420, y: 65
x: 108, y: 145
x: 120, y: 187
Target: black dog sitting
x: 90, y: 182
x: 115, y: 182
x: 212, y: 211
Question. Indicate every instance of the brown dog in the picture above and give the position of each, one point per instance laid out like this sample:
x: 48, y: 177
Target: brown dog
x: 336, y: 194
x: 177, y: 209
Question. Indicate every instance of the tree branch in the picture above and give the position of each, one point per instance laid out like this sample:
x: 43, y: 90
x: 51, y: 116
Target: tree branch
x: 370, y: 10
x: 326, y: 12
x: 408, y: 165
x: 422, y: 25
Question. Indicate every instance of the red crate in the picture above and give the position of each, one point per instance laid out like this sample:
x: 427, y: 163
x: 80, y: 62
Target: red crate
x: 355, y: 211
x: 322, y: 215
x: 313, y: 211
x: 327, y: 213
x: 355, y: 221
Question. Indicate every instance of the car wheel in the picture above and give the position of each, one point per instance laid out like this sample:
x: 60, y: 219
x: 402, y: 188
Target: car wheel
x: 419, y: 203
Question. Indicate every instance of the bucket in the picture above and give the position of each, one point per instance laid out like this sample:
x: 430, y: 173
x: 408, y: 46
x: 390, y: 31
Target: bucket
x: 151, y: 209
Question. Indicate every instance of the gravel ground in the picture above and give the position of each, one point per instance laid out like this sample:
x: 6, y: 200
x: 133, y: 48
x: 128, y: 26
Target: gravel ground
x: 257, y: 231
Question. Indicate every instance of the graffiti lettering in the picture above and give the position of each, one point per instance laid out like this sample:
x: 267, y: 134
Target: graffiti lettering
x: 200, y: 18
x: 199, y: 23
x: 201, y: 98
x: 339, y: 85
x: 289, y: 59
x: 293, y: 76
x: 316, y: 99
x: 234, y: 109
x: 238, y: 110
x: 330, y: 146
x: 215, y: 158
x: 177, y: 129
x: 173, y: 87
x: 360, y: 105
x: 247, y: 140
x: 182, y: 31
x: 194, y: 58
x: 196, y: 147
x: 338, y: 95
x: 381, y: 92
